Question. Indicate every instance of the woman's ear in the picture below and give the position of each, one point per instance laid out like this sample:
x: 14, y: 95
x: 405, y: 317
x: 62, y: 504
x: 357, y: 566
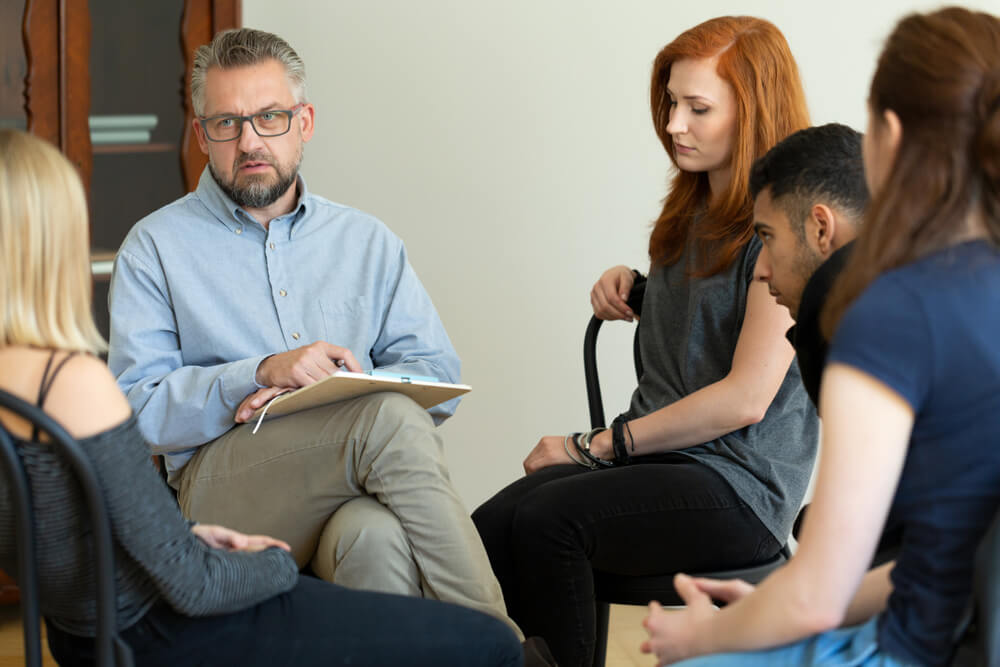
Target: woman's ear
x: 892, y: 133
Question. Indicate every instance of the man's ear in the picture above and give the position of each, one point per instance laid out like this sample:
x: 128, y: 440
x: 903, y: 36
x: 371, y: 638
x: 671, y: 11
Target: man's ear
x: 307, y: 116
x: 822, y: 228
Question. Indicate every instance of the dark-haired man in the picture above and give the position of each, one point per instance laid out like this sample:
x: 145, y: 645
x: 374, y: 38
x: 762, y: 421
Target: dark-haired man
x: 809, y: 193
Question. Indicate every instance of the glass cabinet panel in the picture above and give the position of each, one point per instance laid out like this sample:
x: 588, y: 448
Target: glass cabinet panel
x: 136, y: 113
x: 136, y: 122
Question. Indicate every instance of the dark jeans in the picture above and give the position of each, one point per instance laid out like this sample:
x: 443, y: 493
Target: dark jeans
x: 546, y: 532
x: 315, y: 623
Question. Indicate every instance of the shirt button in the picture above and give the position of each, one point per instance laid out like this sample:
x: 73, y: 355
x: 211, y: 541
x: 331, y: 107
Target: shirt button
x: 282, y: 292
x: 239, y: 230
x: 272, y: 248
x: 295, y: 335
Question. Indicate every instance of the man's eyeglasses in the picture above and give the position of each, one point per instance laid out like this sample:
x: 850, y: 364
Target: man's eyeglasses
x: 270, y: 123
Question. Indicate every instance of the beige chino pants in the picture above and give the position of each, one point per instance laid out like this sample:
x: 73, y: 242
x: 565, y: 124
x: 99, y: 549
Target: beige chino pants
x: 378, y: 457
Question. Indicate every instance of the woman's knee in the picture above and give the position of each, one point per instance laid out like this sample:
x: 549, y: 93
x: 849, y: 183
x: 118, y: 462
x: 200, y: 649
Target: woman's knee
x: 528, y: 491
x: 544, y: 517
x: 493, y: 516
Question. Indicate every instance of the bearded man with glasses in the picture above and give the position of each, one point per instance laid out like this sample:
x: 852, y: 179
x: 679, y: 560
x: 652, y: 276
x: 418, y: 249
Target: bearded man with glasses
x: 250, y: 286
x: 257, y: 192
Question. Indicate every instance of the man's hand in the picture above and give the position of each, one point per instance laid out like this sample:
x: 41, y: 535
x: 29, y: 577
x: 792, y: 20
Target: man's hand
x: 548, y: 452
x: 305, y: 365
x: 611, y: 292
x: 673, y: 634
x: 219, y: 537
x: 256, y: 400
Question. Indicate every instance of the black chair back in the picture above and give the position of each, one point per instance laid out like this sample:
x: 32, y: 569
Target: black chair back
x: 111, y: 651
x: 594, y: 400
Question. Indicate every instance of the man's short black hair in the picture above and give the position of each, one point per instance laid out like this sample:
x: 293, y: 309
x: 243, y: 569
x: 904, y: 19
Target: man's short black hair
x: 817, y: 165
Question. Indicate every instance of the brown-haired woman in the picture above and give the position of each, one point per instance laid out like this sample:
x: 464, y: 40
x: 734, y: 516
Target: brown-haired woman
x: 707, y: 468
x: 911, y: 393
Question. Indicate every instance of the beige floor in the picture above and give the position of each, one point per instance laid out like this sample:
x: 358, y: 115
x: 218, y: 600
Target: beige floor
x: 626, y: 634
x: 11, y: 644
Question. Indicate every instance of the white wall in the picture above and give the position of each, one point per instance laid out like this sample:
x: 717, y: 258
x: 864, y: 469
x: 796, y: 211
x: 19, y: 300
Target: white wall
x: 509, y: 144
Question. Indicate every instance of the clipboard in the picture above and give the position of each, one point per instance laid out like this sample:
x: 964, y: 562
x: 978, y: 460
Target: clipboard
x: 343, y: 385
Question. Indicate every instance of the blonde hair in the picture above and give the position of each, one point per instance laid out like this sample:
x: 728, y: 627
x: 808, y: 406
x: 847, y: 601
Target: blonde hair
x: 45, y: 283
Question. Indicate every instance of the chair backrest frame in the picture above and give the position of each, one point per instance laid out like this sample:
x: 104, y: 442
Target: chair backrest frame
x: 110, y: 650
x: 27, y: 576
x: 593, y: 382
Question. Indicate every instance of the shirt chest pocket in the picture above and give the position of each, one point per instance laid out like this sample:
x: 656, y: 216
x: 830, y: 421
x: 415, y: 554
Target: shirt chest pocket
x: 346, y: 322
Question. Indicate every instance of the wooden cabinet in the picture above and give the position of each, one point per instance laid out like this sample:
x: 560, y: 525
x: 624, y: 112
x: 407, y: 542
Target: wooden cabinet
x: 107, y: 82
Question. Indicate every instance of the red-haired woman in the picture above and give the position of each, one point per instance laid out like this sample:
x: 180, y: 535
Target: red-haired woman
x: 707, y: 468
x: 911, y: 393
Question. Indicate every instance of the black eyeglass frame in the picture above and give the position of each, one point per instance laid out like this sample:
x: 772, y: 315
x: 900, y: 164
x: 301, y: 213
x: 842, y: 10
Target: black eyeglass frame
x: 245, y: 119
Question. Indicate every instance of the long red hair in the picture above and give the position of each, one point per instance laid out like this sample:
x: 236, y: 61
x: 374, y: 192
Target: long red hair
x: 755, y: 60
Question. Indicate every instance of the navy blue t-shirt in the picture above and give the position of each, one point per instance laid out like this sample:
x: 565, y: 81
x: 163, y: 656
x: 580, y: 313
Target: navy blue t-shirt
x: 930, y: 330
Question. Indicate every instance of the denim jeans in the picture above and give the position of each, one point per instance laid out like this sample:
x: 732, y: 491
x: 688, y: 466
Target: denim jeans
x: 316, y: 623
x: 856, y: 646
x: 547, y: 532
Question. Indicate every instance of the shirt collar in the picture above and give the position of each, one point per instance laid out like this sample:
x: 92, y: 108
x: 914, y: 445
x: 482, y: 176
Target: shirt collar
x: 233, y: 216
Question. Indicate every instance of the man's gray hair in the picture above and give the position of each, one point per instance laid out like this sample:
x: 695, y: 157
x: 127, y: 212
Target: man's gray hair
x: 242, y: 47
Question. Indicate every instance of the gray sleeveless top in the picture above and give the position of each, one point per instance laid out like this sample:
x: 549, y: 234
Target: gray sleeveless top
x: 688, y: 333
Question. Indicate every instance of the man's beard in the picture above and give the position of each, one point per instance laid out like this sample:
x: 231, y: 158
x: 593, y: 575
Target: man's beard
x: 258, y: 191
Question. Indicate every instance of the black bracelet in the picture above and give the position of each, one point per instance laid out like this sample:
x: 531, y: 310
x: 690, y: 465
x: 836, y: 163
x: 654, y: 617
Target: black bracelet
x: 631, y: 438
x: 618, y: 442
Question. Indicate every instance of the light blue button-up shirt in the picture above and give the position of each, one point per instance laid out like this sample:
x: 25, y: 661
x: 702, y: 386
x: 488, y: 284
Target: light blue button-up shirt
x: 201, y: 293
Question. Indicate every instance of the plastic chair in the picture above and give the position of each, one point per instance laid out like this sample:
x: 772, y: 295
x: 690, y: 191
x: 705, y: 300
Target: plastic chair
x: 111, y: 651
x: 621, y: 589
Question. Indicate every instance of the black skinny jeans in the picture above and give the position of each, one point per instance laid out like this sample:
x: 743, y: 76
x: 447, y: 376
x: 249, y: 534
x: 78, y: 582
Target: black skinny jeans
x: 547, y: 532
